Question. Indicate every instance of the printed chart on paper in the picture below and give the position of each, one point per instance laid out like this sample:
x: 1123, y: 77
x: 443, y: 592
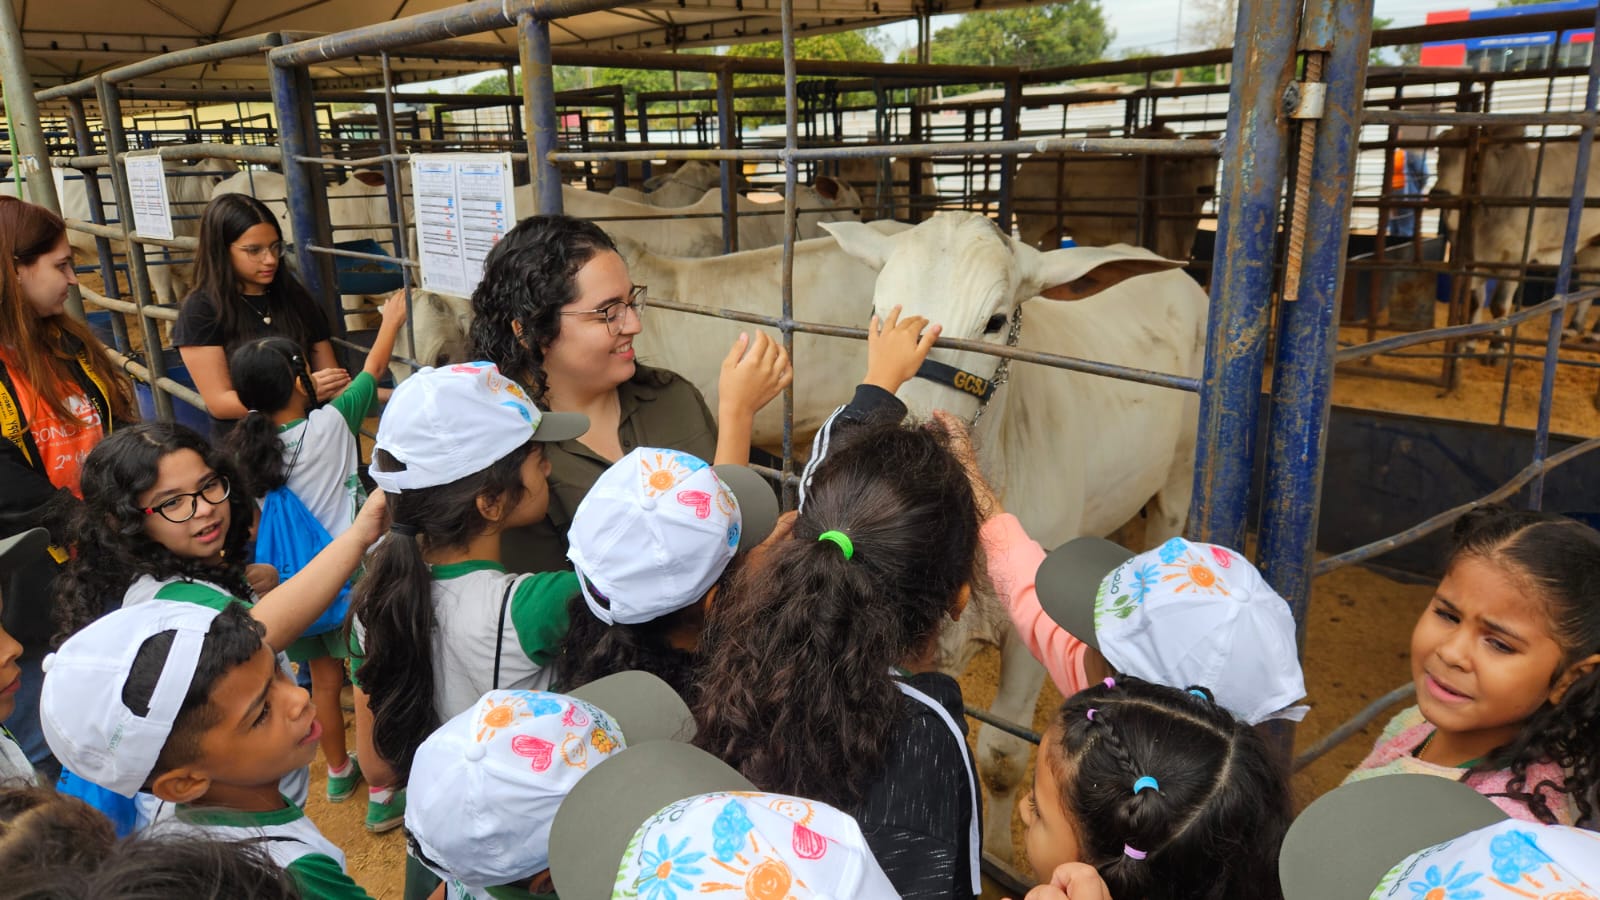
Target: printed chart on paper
x: 464, y: 206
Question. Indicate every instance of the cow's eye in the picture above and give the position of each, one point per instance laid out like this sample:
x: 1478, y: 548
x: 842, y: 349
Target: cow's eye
x: 995, y: 323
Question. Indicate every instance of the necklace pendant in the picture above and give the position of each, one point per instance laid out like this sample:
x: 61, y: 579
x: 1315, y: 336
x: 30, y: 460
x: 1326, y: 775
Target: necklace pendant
x: 266, y: 320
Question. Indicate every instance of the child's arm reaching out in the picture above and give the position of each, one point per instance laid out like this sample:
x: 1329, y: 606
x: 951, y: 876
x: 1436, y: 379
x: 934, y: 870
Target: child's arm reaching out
x: 394, y: 316
x: 1014, y: 560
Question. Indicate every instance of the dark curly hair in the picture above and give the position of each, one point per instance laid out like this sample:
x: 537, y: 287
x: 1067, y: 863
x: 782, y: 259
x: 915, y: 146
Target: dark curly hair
x: 592, y: 649
x: 113, y: 548
x: 1559, y: 559
x: 796, y: 691
x: 265, y: 372
x: 394, y: 600
x: 161, y: 866
x: 1212, y: 828
x: 528, y: 276
x: 40, y: 828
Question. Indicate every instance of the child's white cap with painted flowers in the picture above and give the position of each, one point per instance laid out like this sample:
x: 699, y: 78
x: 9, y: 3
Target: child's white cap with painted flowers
x: 659, y: 527
x: 1183, y: 614
x: 444, y: 424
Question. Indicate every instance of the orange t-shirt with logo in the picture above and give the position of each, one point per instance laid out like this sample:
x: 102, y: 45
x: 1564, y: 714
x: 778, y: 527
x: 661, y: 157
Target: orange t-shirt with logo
x: 63, y: 442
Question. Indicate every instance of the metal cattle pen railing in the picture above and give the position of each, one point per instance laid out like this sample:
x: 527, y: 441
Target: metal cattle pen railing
x: 1273, y: 40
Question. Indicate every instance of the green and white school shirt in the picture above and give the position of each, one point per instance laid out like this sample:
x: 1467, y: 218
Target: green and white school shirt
x: 324, y: 455
x: 147, y: 588
x: 288, y: 837
x: 467, y: 603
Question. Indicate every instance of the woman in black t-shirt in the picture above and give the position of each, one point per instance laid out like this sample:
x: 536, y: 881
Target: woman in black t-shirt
x: 241, y: 293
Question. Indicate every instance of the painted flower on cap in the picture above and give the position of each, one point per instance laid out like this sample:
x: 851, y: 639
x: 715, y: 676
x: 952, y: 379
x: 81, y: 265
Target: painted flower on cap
x: 663, y: 870
x: 729, y: 830
x: 1515, y: 854
x: 1454, y: 885
x: 1189, y: 572
x: 498, y: 713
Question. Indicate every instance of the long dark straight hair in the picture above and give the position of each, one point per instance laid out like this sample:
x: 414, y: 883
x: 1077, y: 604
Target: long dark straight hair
x: 797, y: 692
x: 394, y: 600
x: 227, y: 217
x: 265, y: 372
x: 113, y: 546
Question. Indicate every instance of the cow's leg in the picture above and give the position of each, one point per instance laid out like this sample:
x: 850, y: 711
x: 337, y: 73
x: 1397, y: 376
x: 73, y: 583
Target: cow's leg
x: 1002, y: 758
x: 1503, y: 302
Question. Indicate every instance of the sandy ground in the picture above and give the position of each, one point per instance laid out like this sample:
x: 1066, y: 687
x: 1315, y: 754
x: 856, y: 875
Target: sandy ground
x: 1359, y: 626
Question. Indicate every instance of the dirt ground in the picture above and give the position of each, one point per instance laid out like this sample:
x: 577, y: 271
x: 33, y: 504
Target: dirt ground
x: 1360, y: 622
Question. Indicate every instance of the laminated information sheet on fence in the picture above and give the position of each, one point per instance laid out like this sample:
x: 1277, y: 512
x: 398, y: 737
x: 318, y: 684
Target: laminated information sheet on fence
x: 147, y: 183
x: 463, y: 207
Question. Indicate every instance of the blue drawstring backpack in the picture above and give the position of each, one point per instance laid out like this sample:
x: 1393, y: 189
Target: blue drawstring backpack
x: 122, y: 811
x: 287, y: 538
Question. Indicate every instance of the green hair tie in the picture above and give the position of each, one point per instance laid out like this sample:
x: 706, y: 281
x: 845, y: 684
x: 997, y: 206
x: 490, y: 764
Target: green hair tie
x: 840, y: 539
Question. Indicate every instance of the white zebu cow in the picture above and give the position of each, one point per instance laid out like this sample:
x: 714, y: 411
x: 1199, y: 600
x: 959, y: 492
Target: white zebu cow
x: 1070, y: 454
x: 1505, y: 169
x: 188, y: 189
x: 1097, y: 196
x: 680, y: 187
x: 830, y: 286
x: 830, y: 200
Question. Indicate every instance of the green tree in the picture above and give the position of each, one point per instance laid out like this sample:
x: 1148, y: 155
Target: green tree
x: 841, y: 46
x: 633, y: 81
x: 1034, y: 37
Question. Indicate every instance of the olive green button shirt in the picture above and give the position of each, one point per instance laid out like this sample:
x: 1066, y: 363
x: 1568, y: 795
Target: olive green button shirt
x: 659, y: 409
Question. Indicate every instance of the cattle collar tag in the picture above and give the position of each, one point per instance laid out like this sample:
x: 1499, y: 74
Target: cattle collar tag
x: 968, y: 383
x: 960, y: 379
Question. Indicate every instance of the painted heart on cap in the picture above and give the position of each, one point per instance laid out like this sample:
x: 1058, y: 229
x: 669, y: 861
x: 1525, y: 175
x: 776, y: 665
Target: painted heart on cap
x: 539, y: 750
x: 807, y: 843
x: 699, y: 501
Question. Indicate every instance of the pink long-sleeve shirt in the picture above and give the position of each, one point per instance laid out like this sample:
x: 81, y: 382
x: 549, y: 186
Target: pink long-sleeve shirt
x: 1014, y: 560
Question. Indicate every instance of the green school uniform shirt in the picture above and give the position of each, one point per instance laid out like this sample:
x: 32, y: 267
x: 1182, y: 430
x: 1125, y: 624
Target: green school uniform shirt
x: 289, y: 838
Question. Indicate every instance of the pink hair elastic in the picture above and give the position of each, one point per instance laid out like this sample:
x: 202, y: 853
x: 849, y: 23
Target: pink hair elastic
x: 1090, y: 714
x: 1110, y: 682
x: 1132, y: 853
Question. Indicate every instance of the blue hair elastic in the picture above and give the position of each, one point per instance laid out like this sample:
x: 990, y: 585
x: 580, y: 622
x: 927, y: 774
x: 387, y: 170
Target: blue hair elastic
x: 1145, y: 782
x: 1199, y: 693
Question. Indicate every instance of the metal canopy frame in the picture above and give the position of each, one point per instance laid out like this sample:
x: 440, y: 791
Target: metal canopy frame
x: 1284, y: 53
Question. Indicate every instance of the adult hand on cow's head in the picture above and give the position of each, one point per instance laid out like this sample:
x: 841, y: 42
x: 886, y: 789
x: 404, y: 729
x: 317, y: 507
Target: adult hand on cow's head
x: 329, y: 382
x: 961, y: 445
x: 896, y: 348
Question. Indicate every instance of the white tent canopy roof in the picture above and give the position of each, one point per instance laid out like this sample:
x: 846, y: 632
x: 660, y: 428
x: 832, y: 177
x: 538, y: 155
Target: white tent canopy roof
x: 69, y: 40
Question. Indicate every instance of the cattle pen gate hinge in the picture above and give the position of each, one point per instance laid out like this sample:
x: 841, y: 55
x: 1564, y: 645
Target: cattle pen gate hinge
x: 1306, y: 99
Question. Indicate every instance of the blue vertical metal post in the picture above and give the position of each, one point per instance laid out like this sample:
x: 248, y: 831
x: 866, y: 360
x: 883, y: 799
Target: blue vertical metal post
x: 308, y: 202
x: 539, y: 103
x: 1302, y: 372
x: 1569, y: 244
x: 727, y: 138
x: 791, y: 184
x: 84, y: 142
x: 138, y: 272
x: 1253, y: 164
x: 1011, y: 129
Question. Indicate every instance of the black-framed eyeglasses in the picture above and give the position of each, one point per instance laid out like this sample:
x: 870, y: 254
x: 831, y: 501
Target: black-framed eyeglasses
x: 254, y: 252
x: 613, y: 311
x: 214, y: 491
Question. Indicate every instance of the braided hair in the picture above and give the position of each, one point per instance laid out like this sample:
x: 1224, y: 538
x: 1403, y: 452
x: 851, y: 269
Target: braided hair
x: 1173, y: 796
x: 1558, y: 559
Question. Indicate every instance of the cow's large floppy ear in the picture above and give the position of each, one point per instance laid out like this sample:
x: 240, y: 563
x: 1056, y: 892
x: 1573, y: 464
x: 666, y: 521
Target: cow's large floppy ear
x: 827, y: 187
x: 1076, y: 273
x: 861, y: 241
x: 369, y: 177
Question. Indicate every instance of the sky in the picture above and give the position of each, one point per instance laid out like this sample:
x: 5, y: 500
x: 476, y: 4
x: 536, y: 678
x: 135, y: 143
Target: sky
x: 1152, y: 26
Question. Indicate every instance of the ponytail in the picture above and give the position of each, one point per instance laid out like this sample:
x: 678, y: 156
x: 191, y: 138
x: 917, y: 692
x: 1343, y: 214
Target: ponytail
x: 796, y: 691
x: 1175, y: 799
x: 394, y: 600
x: 265, y: 373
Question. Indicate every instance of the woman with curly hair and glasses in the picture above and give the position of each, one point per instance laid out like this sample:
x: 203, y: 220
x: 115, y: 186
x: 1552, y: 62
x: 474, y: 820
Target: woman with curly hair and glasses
x: 557, y: 311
